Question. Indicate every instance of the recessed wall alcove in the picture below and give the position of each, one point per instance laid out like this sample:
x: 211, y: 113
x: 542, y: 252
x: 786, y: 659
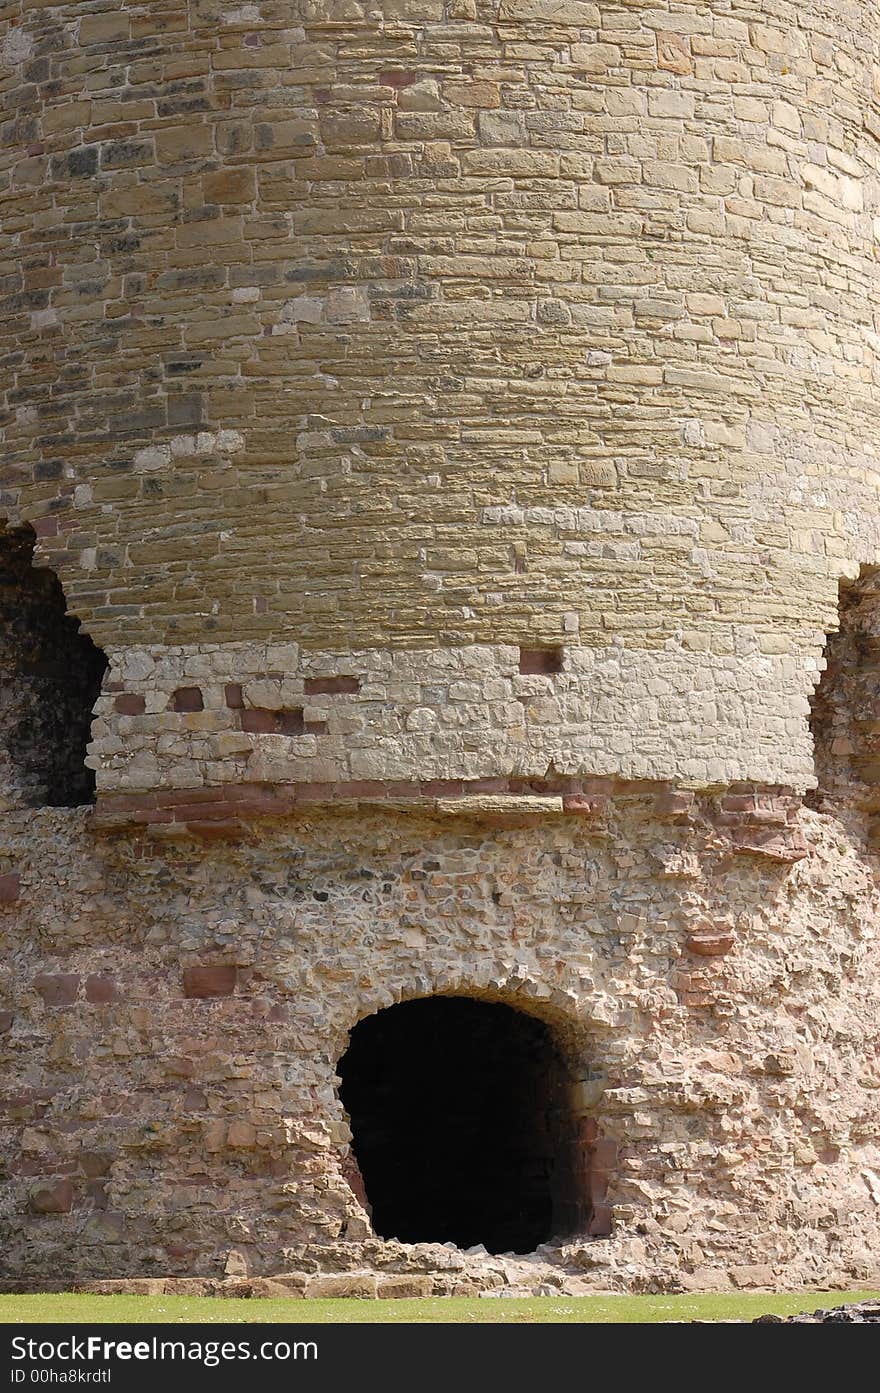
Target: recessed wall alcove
x: 463, y: 1126
x: 50, y: 679
x: 845, y: 708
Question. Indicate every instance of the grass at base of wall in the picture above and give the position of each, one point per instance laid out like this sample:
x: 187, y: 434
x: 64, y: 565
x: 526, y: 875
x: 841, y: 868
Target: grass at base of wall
x: 603, y: 1309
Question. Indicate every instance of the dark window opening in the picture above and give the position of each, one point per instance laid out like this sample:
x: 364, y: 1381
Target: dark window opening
x: 50, y: 679
x: 462, y: 1122
x: 538, y: 662
x: 845, y: 708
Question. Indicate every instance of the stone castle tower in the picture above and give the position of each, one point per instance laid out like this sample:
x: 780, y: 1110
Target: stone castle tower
x: 440, y: 437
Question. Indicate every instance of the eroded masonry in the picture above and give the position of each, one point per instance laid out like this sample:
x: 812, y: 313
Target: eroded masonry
x: 439, y: 638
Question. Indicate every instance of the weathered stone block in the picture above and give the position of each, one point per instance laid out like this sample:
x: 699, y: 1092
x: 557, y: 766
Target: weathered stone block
x: 130, y: 704
x: 355, y: 1284
x: 187, y: 699
x: 55, y: 1197
x: 709, y: 943
x: 10, y: 888
x: 229, y: 186
x: 57, y: 988
x: 101, y: 989
x: 404, y: 1288
x: 217, y: 980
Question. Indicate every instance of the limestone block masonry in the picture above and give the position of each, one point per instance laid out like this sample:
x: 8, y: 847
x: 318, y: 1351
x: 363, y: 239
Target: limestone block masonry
x: 454, y: 421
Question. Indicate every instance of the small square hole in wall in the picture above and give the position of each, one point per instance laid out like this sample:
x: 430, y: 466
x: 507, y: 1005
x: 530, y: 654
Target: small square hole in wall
x: 540, y: 661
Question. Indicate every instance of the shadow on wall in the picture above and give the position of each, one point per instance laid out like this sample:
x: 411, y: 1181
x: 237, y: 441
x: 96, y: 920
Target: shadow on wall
x: 462, y: 1125
x: 845, y: 709
x: 50, y: 679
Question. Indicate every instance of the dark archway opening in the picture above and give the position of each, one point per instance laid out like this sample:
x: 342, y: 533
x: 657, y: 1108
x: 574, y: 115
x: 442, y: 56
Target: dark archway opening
x: 461, y: 1117
x: 50, y: 679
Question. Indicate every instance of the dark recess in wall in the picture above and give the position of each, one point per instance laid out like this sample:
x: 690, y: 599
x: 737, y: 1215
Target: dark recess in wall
x: 462, y: 1127
x: 50, y: 679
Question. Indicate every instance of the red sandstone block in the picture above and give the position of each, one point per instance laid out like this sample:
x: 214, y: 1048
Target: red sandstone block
x: 201, y: 812
x: 540, y: 661
x: 110, y: 805
x: 174, y: 797
x: 583, y: 806
x: 258, y: 722
x: 187, y: 699
x: 130, y: 704
x: 396, y: 79
x: 401, y: 788
x: 676, y: 804
x: 601, y: 1221
x: 711, y: 943
x: 257, y: 805
x: 361, y: 788
x: 588, y: 1130
x: 604, y: 1154
x: 10, y: 888
x: 441, y: 788
x: 46, y: 527
x: 54, y: 1198
x: 237, y: 794
x: 58, y: 988
x: 769, y: 816
x: 597, y: 1187
x: 234, y: 696
x: 217, y: 980
x: 332, y: 686
x: 215, y: 831
x: 100, y: 989
x: 784, y: 847
x: 260, y: 805
x: 309, y: 793
x: 487, y: 786
x: 6, y: 1019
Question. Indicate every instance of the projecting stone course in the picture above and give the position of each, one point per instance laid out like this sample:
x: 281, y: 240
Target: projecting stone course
x: 170, y: 717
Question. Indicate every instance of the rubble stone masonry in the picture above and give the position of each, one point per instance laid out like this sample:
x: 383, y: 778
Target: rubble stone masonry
x: 456, y: 422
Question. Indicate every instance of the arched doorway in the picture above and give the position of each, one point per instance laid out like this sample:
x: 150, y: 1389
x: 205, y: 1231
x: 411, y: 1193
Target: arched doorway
x: 50, y: 679
x: 462, y: 1128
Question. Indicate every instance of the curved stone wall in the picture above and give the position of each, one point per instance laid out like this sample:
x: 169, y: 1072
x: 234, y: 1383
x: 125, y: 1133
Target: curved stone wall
x: 449, y: 322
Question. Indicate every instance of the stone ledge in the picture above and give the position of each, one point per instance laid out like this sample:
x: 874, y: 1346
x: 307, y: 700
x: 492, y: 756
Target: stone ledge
x: 233, y: 805
x: 500, y: 809
x: 762, y: 823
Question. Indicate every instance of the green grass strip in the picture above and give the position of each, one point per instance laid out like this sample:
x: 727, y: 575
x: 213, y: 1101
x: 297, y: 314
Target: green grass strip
x: 604, y: 1309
